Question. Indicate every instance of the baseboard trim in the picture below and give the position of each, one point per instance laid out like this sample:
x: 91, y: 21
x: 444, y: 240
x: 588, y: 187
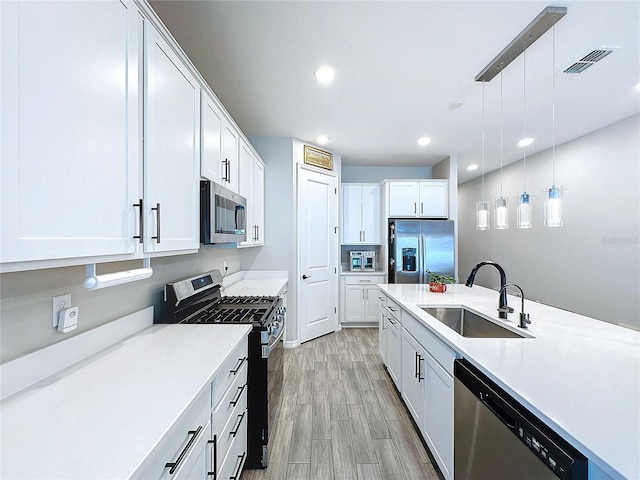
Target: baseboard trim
x: 291, y: 343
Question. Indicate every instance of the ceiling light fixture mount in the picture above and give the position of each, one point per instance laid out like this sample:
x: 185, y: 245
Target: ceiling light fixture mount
x: 532, y: 32
x: 325, y: 74
x: 322, y: 139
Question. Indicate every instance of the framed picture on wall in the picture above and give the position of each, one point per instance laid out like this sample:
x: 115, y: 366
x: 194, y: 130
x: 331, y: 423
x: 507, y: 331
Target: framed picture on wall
x: 319, y: 158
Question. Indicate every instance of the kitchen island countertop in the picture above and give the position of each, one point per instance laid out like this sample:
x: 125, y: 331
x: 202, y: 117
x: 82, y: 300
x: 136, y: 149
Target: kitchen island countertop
x: 581, y: 376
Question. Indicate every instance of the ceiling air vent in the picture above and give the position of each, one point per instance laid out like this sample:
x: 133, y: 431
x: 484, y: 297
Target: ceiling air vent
x: 589, y: 59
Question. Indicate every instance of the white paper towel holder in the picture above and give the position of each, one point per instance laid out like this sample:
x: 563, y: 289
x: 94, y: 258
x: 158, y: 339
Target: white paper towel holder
x: 93, y: 281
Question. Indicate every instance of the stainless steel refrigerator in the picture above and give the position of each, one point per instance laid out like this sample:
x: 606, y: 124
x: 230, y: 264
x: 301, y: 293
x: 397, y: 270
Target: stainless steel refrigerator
x: 418, y: 245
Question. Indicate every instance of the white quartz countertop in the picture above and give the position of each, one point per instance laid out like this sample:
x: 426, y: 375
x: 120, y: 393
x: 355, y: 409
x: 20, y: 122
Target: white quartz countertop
x: 579, y: 375
x: 258, y: 283
x: 101, y: 417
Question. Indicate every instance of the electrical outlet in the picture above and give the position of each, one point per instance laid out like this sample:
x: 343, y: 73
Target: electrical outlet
x: 58, y: 303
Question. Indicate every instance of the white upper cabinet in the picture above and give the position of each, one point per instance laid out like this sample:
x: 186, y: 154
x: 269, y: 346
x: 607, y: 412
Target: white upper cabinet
x: 211, y: 166
x: 421, y: 199
x: 361, y: 213
x: 230, y: 155
x: 252, y: 188
x: 172, y: 159
x: 71, y: 129
x: 220, y: 145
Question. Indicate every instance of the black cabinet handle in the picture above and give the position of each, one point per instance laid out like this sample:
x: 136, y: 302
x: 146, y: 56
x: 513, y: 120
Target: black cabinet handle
x: 234, y: 432
x: 235, y: 401
x: 157, y: 209
x: 140, y: 221
x: 236, y: 475
x: 237, y: 369
x: 214, y: 473
x: 420, y: 377
x: 174, y: 465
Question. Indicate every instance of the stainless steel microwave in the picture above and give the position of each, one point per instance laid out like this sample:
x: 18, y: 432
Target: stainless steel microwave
x: 223, y: 216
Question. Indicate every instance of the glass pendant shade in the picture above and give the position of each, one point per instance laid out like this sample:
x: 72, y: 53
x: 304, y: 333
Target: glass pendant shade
x: 524, y: 211
x: 501, y: 214
x: 482, y: 215
x: 553, y: 207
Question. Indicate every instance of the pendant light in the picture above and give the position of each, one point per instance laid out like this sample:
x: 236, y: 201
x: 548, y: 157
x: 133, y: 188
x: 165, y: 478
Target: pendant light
x: 482, y: 206
x: 501, y: 208
x: 523, y: 211
x: 553, y: 202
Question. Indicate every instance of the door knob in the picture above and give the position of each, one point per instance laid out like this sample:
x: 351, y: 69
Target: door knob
x: 304, y: 277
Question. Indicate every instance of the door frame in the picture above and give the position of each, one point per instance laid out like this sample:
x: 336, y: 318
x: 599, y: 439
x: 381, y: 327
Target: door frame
x: 299, y: 167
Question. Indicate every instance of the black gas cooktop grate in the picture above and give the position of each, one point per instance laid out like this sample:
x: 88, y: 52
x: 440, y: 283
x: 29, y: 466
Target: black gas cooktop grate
x: 236, y: 310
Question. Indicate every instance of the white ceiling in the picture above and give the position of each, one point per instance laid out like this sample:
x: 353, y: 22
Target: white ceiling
x: 399, y: 67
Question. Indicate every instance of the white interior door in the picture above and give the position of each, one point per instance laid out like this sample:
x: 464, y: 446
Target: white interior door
x: 318, y: 274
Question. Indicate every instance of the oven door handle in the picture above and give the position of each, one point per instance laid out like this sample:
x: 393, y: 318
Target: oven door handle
x: 273, y: 344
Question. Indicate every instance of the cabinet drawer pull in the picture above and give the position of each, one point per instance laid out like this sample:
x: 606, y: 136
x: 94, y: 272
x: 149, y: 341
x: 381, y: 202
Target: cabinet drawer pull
x: 236, y: 475
x: 140, y: 221
x: 392, y: 309
x: 174, y: 465
x: 234, y: 432
x: 421, y: 208
x: 235, y: 401
x: 214, y: 473
x: 238, y: 366
x: 157, y: 209
x: 420, y: 377
x: 415, y: 207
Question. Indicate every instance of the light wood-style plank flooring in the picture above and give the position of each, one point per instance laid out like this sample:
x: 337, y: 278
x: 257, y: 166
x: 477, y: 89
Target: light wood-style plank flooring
x: 340, y: 418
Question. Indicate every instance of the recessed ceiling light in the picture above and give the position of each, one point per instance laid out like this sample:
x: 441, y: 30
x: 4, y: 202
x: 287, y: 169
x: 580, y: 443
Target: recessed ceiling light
x: 422, y: 141
x: 456, y: 104
x: 472, y: 167
x: 322, y: 139
x: 525, y: 142
x: 638, y: 86
x: 325, y: 74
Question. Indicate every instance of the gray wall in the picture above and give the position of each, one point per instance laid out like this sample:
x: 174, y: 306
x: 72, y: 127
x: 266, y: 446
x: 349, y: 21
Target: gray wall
x: 591, y: 265
x: 369, y: 174
x: 25, y: 306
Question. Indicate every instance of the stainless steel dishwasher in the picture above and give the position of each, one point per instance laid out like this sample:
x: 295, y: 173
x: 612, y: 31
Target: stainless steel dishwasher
x: 496, y: 438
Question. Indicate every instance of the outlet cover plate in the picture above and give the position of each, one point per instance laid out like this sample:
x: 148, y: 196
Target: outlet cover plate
x: 58, y: 303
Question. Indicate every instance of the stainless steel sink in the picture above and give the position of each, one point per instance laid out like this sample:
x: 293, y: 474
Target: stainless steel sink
x: 469, y: 324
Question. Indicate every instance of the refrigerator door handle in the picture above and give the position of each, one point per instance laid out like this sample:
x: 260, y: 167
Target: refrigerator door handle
x: 420, y: 262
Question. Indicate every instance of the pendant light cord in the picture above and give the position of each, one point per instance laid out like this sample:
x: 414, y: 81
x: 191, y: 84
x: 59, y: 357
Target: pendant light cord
x: 501, y: 129
x: 483, y: 140
x: 553, y: 108
x: 524, y: 122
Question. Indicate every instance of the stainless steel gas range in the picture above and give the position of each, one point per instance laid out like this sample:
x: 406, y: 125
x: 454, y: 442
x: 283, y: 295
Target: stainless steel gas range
x: 199, y: 300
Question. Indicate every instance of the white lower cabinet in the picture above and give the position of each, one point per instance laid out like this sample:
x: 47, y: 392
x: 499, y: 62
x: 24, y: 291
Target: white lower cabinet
x: 414, y: 391
x: 382, y: 327
x: 438, y: 420
x: 394, y: 350
x: 195, y: 464
x: 209, y: 438
x: 359, y: 305
x: 421, y: 366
